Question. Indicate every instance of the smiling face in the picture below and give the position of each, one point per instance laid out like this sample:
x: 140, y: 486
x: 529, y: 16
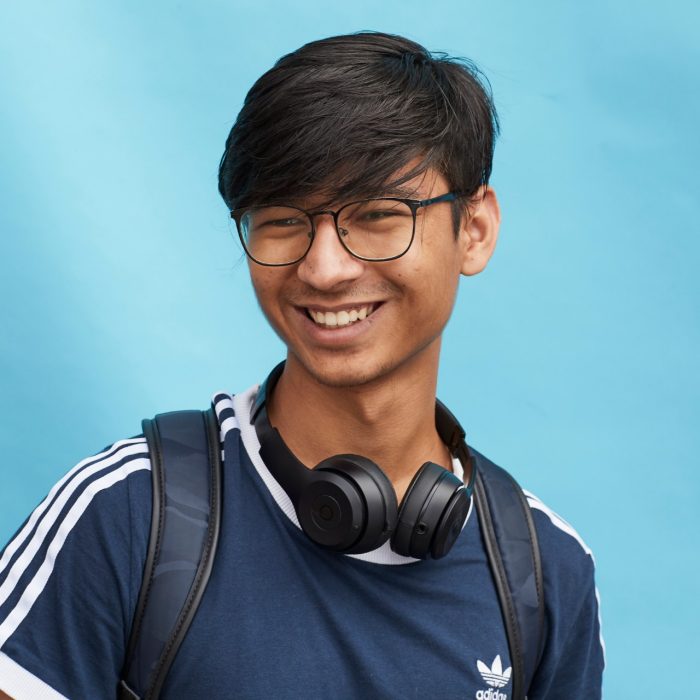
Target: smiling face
x: 347, y: 322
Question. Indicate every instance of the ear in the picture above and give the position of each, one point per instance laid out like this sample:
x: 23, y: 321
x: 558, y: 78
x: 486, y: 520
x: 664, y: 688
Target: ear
x: 479, y: 231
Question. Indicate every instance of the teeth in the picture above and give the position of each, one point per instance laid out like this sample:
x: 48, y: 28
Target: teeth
x: 341, y: 318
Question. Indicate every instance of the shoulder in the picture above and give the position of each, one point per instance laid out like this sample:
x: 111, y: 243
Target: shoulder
x: 104, y: 477
x: 94, y: 497
x: 564, y: 552
x: 70, y: 572
x: 74, y: 568
x: 561, y: 546
x: 568, y: 565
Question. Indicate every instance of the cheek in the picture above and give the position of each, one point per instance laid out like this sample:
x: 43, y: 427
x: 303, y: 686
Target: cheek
x: 265, y: 290
x: 432, y: 272
x: 264, y: 279
x: 431, y: 294
x: 436, y: 250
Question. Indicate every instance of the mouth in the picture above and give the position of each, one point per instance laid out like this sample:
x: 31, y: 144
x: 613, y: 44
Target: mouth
x: 340, y: 318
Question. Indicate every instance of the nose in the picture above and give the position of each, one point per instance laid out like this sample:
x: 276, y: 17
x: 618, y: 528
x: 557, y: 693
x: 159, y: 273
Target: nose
x: 328, y: 264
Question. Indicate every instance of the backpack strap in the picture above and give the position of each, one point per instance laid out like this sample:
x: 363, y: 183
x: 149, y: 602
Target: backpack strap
x: 511, y: 545
x: 185, y: 454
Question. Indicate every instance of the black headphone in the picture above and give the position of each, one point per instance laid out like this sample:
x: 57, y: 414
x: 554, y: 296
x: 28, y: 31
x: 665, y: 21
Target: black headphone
x: 346, y: 503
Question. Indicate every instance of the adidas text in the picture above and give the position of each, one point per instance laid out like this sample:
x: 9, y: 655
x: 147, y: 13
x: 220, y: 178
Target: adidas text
x: 490, y: 694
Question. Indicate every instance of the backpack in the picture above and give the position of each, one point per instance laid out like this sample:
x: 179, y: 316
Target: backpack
x: 185, y: 456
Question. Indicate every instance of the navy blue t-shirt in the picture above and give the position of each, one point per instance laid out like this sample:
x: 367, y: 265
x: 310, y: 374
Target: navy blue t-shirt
x: 281, y: 617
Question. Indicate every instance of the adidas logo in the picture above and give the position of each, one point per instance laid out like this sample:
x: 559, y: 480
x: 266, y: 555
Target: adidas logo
x: 496, y: 677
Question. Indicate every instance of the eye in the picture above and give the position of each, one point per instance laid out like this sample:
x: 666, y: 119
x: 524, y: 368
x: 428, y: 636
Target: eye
x: 377, y: 214
x: 282, y: 223
x: 274, y: 218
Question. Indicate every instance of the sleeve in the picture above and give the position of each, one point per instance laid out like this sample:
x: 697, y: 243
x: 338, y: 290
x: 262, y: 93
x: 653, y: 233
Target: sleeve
x: 573, y: 657
x: 70, y: 577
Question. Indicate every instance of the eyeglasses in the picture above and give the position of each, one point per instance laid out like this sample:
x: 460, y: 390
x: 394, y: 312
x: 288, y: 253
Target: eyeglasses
x: 375, y: 230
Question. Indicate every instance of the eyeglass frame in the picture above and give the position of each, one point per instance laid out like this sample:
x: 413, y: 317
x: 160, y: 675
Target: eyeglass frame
x: 413, y: 204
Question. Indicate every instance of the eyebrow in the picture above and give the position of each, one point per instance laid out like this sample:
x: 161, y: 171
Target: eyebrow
x: 404, y: 192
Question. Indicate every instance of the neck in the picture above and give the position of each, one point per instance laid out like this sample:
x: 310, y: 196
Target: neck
x: 390, y: 420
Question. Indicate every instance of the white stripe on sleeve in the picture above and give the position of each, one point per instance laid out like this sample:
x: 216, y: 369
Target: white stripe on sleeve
x: 25, y: 559
x: 22, y: 535
x: 38, y: 583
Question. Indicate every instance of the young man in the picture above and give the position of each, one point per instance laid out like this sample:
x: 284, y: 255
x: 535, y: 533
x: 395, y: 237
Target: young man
x: 357, y: 174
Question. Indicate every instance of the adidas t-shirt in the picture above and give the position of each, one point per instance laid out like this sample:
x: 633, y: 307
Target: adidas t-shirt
x: 281, y: 617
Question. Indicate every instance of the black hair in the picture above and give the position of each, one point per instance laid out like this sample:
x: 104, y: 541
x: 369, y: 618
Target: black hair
x: 339, y: 116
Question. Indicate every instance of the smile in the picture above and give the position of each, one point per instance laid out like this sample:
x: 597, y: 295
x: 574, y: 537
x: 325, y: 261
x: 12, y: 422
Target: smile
x: 338, y: 319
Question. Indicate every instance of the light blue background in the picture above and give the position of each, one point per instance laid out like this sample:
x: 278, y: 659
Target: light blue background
x: 572, y: 359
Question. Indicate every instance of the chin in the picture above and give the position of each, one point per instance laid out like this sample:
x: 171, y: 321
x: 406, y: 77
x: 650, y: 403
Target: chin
x: 343, y: 373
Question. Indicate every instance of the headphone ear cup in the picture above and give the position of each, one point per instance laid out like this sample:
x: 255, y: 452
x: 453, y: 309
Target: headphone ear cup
x: 451, y: 524
x: 349, y: 505
x: 431, y: 504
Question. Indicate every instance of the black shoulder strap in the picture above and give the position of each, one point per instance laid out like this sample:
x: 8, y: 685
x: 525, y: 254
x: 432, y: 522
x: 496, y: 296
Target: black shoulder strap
x: 513, y: 552
x: 185, y: 457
